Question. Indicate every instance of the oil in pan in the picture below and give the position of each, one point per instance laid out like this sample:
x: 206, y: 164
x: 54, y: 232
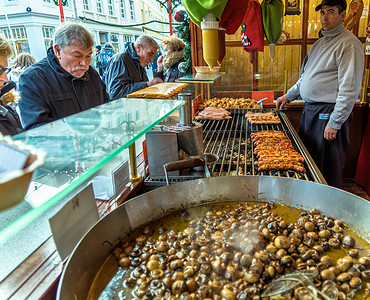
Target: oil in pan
x: 238, y: 251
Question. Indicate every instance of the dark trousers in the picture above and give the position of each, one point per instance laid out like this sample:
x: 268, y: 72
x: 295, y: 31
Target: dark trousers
x: 329, y: 156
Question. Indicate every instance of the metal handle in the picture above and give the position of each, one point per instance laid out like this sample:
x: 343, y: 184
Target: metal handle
x: 184, y: 164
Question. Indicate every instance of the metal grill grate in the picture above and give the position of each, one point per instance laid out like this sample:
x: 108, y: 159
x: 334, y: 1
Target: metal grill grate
x: 230, y: 140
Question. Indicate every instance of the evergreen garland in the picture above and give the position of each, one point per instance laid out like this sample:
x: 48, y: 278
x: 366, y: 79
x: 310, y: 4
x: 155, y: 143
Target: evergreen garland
x: 183, y: 30
x: 164, y: 4
x: 64, y: 2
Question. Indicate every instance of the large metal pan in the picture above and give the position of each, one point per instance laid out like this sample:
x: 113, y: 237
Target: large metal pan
x: 94, y: 248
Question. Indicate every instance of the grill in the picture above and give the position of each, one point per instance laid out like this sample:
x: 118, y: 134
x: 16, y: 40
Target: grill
x: 230, y: 140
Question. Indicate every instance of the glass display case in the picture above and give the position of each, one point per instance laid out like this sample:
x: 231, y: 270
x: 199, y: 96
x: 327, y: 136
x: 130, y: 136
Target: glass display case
x: 77, y: 147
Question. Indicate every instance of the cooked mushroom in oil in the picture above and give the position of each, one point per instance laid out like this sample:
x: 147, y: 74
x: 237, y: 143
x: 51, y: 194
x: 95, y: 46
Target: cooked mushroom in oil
x: 235, y: 250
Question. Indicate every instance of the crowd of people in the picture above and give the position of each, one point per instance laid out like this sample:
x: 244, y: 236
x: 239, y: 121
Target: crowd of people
x: 64, y: 83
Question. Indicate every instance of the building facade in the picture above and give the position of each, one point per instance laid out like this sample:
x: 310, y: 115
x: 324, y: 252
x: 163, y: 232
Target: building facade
x: 30, y: 25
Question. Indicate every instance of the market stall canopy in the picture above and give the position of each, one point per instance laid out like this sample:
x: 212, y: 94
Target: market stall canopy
x: 272, y: 16
x: 199, y: 8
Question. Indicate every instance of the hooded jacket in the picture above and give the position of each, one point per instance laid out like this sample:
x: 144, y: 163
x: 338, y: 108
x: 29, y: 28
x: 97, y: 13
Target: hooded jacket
x: 9, y: 121
x: 124, y: 75
x: 48, y: 92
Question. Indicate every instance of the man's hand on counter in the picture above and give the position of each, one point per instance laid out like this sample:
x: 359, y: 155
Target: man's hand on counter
x: 281, y: 101
x: 330, y: 134
x: 154, y: 81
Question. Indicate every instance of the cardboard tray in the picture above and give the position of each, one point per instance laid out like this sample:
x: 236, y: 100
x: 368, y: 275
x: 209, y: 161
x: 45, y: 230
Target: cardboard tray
x: 159, y: 91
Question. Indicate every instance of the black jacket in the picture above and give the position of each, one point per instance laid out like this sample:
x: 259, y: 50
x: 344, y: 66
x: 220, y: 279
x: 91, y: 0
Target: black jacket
x: 172, y: 73
x: 48, y: 92
x: 124, y: 75
x: 9, y: 121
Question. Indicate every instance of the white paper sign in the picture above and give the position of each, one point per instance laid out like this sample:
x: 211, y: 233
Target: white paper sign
x: 73, y: 220
x: 120, y: 177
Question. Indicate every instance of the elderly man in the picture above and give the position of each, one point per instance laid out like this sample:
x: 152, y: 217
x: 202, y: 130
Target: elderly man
x: 330, y: 85
x: 62, y: 83
x: 126, y: 73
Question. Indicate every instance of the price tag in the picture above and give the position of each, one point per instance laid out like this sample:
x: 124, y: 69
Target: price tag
x: 367, y: 46
x: 12, y: 158
x: 73, y: 220
x: 121, y: 176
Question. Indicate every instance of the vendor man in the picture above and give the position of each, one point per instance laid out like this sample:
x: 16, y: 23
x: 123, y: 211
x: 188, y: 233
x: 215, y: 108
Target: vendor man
x: 330, y: 85
x: 63, y: 83
x: 126, y: 73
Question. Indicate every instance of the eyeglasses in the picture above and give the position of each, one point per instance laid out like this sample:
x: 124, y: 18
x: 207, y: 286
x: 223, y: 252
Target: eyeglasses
x: 6, y: 70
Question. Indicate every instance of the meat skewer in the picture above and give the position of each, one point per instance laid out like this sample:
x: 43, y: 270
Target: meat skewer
x: 276, y: 152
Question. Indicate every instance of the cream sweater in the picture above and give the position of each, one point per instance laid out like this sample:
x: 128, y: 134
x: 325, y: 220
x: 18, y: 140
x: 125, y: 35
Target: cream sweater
x: 333, y: 73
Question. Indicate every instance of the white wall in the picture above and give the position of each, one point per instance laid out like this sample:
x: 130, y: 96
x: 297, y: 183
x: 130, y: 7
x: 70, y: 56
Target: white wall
x: 44, y: 14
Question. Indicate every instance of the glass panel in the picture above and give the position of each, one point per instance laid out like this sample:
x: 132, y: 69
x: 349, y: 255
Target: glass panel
x: 78, y: 146
x: 234, y: 37
x: 270, y: 76
x: 204, y: 77
x: 314, y: 24
x: 292, y: 25
x: 286, y: 57
x: 363, y: 20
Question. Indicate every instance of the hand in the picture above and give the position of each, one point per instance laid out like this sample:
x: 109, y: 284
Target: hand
x: 154, y: 81
x: 330, y: 134
x: 281, y: 101
x: 160, y: 63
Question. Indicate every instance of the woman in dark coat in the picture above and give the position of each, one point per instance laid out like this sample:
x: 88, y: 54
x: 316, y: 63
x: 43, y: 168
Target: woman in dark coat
x: 9, y: 120
x: 168, y: 64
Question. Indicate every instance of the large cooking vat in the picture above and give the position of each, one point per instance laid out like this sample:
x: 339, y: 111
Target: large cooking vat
x: 97, y: 244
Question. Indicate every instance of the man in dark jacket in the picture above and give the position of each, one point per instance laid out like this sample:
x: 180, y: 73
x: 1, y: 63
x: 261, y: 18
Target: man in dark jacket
x: 126, y: 73
x: 62, y: 83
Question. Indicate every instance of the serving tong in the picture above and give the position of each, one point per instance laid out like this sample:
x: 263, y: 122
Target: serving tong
x: 287, y: 282
x: 191, y: 162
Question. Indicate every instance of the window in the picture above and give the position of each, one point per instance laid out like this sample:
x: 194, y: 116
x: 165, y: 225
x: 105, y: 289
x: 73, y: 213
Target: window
x: 127, y: 38
x: 20, y: 38
x: 132, y: 10
x: 114, y: 41
x: 99, y: 6
x: 85, y: 4
x: 48, y: 33
x: 122, y: 8
x: 110, y: 8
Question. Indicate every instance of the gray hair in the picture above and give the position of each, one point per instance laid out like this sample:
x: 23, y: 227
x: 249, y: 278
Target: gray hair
x: 71, y: 32
x: 145, y: 40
